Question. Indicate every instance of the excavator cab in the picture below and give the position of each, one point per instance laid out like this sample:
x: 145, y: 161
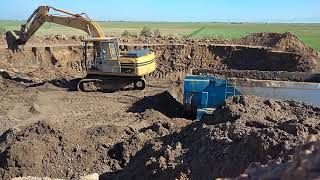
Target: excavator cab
x: 105, y: 55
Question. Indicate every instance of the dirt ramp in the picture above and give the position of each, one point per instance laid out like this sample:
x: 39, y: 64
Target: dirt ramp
x: 244, y: 130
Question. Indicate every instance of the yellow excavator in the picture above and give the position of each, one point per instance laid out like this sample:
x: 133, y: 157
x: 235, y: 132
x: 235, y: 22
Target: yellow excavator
x: 108, y: 69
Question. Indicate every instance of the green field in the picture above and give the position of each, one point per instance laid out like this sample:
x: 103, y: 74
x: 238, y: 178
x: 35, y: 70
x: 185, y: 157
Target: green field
x: 308, y: 33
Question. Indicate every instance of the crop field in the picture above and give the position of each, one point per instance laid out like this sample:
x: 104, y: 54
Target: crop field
x: 308, y: 33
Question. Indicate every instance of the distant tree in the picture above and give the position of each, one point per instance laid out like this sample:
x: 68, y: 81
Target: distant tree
x: 146, y: 32
x: 2, y: 30
x: 156, y: 33
x: 125, y: 33
x: 133, y: 34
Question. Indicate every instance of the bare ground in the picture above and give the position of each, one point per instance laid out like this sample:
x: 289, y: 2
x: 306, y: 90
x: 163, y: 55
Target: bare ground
x: 56, y: 133
x: 142, y: 135
x: 49, y: 130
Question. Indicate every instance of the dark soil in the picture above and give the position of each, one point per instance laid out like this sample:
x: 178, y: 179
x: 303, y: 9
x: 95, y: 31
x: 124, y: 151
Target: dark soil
x: 261, y: 75
x: 305, y: 165
x: 244, y: 130
x: 163, y: 102
x: 42, y: 150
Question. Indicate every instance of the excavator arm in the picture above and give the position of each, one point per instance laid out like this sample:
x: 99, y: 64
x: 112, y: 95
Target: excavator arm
x: 41, y: 15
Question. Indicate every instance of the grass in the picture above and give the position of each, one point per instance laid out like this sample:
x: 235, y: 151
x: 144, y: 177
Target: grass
x: 308, y: 33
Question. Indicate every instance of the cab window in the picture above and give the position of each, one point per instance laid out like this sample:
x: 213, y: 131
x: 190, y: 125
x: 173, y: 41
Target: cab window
x: 109, y: 51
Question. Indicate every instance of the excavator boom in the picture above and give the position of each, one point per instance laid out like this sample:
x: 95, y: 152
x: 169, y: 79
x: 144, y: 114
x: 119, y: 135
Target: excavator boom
x: 41, y: 15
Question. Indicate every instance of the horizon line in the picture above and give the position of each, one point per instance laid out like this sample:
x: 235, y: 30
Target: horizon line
x: 227, y: 22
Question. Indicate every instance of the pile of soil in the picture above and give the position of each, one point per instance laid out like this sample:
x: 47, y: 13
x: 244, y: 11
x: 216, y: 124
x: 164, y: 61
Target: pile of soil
x: 245, y: 129
x: 42, y: 150
x: 42, y: 64
x: 305, y: 165
x: 279, y: 41
x: 287, y: 42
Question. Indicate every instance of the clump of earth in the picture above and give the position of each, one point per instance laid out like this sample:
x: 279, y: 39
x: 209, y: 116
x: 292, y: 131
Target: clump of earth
x: 305, y: 165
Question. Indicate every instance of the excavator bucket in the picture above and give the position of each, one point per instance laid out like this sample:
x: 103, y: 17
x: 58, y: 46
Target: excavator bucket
x: 13, y: 40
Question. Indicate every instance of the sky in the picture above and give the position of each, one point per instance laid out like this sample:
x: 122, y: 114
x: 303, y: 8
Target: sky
x: 175, y: 10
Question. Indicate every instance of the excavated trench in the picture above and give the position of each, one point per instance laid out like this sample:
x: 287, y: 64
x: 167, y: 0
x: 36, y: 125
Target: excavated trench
x: 42, y: 64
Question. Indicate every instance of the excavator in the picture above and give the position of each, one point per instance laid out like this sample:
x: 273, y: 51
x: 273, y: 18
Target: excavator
x: 108, y: 69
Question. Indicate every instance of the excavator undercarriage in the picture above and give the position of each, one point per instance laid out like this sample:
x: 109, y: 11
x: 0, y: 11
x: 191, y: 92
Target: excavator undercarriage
x: 110, y: 84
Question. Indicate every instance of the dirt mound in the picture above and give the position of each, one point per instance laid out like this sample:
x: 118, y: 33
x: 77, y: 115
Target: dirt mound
x: 42, y: 64
x: 244, y: 130
x: 305, y: 165
x: 287, y: 42
x: 43, y: 150
x: 281, y: 41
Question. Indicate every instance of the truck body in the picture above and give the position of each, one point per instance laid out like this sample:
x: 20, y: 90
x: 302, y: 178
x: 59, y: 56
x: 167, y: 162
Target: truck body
x: 202, y: 94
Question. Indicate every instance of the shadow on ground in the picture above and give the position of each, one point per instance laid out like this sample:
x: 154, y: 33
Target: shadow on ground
x: 70, y: 85
x: 164, y: 102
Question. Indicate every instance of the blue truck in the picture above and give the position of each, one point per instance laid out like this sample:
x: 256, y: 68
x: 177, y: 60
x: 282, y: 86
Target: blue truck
x: 204, y: 93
